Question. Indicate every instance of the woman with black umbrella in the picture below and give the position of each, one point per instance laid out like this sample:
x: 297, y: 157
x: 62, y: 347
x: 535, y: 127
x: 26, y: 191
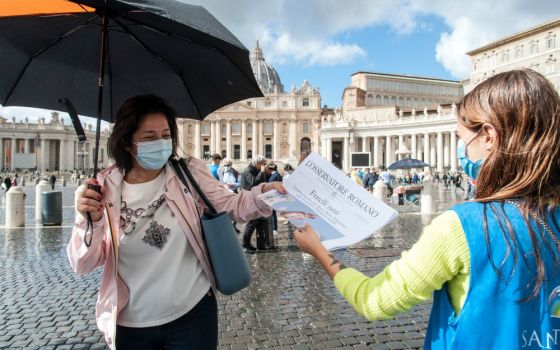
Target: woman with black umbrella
x: 157, y: 289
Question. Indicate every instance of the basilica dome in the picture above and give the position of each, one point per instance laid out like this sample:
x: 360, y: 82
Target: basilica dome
x: 265, y: 74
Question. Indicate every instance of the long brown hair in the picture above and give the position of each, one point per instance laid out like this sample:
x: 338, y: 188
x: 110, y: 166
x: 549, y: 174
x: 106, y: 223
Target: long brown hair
x: 524, y: 164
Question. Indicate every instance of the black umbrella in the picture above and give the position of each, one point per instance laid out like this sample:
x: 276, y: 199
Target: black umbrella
x: 110, y: 50
x: 407, y: 163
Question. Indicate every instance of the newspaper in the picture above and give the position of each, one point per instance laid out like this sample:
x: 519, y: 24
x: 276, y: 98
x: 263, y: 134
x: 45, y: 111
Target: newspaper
x: 322, y: 196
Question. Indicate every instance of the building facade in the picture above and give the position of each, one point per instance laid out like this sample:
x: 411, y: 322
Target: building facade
x: 278, y: 126
x: 48, y: 146
x: 391, y: 117
x: 537, y: 48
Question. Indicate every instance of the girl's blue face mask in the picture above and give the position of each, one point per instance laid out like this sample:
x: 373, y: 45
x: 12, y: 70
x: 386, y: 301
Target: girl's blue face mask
x: 152, y: 155
x: 470, y: 167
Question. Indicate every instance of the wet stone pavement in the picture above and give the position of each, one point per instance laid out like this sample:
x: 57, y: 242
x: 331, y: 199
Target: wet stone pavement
x: 291, y: 303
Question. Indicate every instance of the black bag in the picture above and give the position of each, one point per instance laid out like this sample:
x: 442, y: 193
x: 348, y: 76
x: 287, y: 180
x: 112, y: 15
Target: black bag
x: 229, y: 264
x: 265, y: 235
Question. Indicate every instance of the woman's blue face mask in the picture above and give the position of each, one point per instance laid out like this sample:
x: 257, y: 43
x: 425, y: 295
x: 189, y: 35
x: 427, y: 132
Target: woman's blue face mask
x: 470, y: 167
x: 152, y: 155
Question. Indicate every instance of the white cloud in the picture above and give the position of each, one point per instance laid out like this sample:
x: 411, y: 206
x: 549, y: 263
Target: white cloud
x: 306, y: 32
x: 479, y: 22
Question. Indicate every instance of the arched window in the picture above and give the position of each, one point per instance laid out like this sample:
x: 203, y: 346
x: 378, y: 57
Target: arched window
x: 393, y: 100
x: 224, y: 128
x: 189, y: 129
x: 378, y: 100
x: 401, y: 101
x: 306, y: 128
x: 284, y: 128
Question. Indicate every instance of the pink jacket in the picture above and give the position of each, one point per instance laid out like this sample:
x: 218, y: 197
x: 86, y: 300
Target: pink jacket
x: 187, y: 208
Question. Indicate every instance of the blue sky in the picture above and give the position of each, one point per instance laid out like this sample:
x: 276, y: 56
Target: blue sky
x: 387, y: 52
x: 325, y: 41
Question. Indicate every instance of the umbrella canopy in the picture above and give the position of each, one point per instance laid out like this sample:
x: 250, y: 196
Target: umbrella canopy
x: 407, y: 163
x: 51, y: 49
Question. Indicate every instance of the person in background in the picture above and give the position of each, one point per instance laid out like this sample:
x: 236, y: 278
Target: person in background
x: 253, y: 175
x: 273, y: 175
x: 7, y: 183
x: 52, y: 181
x: 215, y: 165
x: 230, y: 178
x: 491, y: 265
x: 157, y: 289
x: 354, y: 176
x: 388, y: 179
x: 457, y: 180
x: 288, y: 170
x: 360, y: 174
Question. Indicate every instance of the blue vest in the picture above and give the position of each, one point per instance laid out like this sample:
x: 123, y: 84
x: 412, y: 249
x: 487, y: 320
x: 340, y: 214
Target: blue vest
x: 493, y: 315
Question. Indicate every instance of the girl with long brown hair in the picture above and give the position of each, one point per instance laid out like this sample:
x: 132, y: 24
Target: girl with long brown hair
x: 492, y: 265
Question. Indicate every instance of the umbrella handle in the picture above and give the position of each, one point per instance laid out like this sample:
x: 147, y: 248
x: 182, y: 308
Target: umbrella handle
x: 89, y: 227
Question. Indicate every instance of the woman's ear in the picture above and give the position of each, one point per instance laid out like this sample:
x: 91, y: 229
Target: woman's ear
x: 489, y: 136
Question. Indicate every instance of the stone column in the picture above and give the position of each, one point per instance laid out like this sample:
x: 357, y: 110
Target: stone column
x: 324, y: 146
x: 2, y: 155
x: 71, y: 164
x: 293, y: 139
x: 219, y: 137
x: 13, y: 154
x: 62, y: 155
x: 212, y: 137
x: 388, y: 150
x: 275, y: 138
x: 400, y: 146
x: 432, y: 151
x: 229, y: 154
x: 426, y: 148
x: 440, y: 151
x: 328, y: 146
x: 445, y: 149
x: 243, y: 155
x: 261, y: 138
x: 365, y: 144
x: 453, y: 151
x: 255, y: 139
x: 376, y: 152
x: 43, y: 156
x: 346, y: 154
x: 26, y: 146
x: 413, y: 147
x: 197, y: 147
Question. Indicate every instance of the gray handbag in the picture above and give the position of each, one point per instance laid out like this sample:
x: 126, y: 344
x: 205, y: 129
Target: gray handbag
x: 228, y: 261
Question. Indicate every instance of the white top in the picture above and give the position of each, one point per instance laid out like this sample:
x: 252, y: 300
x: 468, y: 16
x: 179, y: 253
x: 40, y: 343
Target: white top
x: 156, y: 261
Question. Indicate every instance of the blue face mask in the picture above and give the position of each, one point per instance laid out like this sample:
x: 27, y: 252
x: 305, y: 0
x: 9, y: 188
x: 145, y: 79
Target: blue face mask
x: 152, y: 155
x: 469, y: 167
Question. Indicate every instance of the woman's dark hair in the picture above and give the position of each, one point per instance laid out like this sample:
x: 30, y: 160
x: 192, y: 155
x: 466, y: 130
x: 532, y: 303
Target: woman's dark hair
x: 288, y: 167
x: 128, y: 118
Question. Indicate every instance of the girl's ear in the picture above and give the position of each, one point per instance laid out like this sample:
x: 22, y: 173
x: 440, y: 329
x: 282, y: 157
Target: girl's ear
x: 489, y: 136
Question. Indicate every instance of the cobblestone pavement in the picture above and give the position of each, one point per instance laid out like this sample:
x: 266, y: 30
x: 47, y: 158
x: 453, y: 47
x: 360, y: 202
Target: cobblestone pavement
x: 291, y: 303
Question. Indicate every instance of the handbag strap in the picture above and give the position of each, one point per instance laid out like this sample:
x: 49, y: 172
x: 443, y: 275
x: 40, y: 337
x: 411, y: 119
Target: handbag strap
x: 182, y: 168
